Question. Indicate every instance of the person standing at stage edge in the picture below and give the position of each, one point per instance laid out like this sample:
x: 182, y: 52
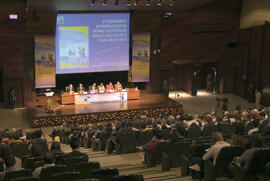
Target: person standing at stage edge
x: 221, y: 86
x: 209, y: 83
x: 12, y: 98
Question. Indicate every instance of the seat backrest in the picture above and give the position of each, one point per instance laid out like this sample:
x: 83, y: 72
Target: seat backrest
x: 72, y: 161
x: 128, y: 142
x: 48, y: 172
x: 225, y: 157
x: 194, y: 132
x: 225, y: 128
x: 198, y: 150
x: 43, y: 145
x: 66, y: 176
x: 59, y: 158
x: 31, y: 162
x: 19, y: 149
x: 17, y: 174
x: 144, y: 137
x: 86, y: 168
x: 130, y: 177
x: 26, y: 179
x: 209, y: 130
x: 258, y: 161
x: 105, y: 174
x: 165, y: 133
x: 105, y: 136
x: 2, y: 166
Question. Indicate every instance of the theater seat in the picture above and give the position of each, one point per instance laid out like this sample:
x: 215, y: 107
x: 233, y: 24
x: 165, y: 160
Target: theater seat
x: 224, y: 158
x: 127, y: 142
x: 34, y: 162
x: 26, y: 179
x: 105, y: 174
x: 85, y: 169
x: 131, y: 177
x: 256, y: 167
x: 19, y: 149
x: 194, y: 132
x: 48, y: 172
x: 17, y: 174
x: 72, y: 161
x: 66, y: 176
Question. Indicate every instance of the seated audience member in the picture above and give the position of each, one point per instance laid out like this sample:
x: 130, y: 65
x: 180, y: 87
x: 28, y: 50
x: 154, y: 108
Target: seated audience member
x: 93, y: 88
x: 151, y: 145
x: 55, y: 132
x: 256, y: 144
x: 49, y: 161
x: 194, y: 121
x: 118, y: 86
x: 179, y: 134
x: 101, y: 88
x: 109, y: 87
x: 217, y: 143
x: 75, y: 145
x: 255, y: 128
x: 37, y: 141
x: 80, y: 89
x: 56, y: 146
x: 70, y: 89
x: 266, y: 135
x: 9, y: 160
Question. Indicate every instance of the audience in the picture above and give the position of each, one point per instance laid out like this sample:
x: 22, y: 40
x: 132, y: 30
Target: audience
x: 247, y: 126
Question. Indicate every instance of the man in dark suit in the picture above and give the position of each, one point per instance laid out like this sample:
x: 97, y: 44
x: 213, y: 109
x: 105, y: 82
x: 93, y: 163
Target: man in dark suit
x: 70, y: 88
x: 12, y: 98
x: 80, y: 89
x: 93, y: 87
x: 75, y: 145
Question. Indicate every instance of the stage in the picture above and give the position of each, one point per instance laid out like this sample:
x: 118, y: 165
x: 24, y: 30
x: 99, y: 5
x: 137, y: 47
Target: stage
x: 146, y: 104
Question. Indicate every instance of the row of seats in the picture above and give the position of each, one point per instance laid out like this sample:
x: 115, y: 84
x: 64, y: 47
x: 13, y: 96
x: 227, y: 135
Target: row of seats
x: 98, y: 175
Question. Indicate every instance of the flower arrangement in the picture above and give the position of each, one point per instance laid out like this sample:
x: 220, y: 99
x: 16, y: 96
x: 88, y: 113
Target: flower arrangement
x: 51, y: 121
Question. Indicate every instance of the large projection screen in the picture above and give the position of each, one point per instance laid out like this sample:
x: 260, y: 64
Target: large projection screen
x: 92, y: 42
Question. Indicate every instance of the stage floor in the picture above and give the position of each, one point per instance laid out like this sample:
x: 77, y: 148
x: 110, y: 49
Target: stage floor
x: 146, y: 101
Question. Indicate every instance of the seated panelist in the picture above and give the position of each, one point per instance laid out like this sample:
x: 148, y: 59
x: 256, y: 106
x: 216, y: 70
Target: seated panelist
x: 70, y: 89
x: 101, y: 87
x: 118, y: 86
x: 93, y: 87
x: 80, y: 89
x: 109, y: 87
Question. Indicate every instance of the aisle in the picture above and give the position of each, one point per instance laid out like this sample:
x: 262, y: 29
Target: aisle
x: 206, y: 102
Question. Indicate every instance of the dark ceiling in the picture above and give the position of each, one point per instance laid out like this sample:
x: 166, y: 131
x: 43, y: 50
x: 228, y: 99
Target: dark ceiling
x: 83, y: 5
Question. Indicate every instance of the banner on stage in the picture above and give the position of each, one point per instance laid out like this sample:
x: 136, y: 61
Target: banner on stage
x: 44, y: 61
x: 140, y: 57
x: 104, y: 97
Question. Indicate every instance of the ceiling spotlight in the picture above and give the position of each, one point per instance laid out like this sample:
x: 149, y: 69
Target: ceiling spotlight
x: 136, y: 2
x: 148, y: 3
x: 172, y: 2
x: 93, y: 2
x: 104, y: 2
x: 116, y: 2
x: 128, y: 3
x: 159, y: 2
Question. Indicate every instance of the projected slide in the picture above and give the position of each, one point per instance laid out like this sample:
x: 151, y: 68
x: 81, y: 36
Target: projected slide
x: 73, y: 46
x: 92, y: 42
